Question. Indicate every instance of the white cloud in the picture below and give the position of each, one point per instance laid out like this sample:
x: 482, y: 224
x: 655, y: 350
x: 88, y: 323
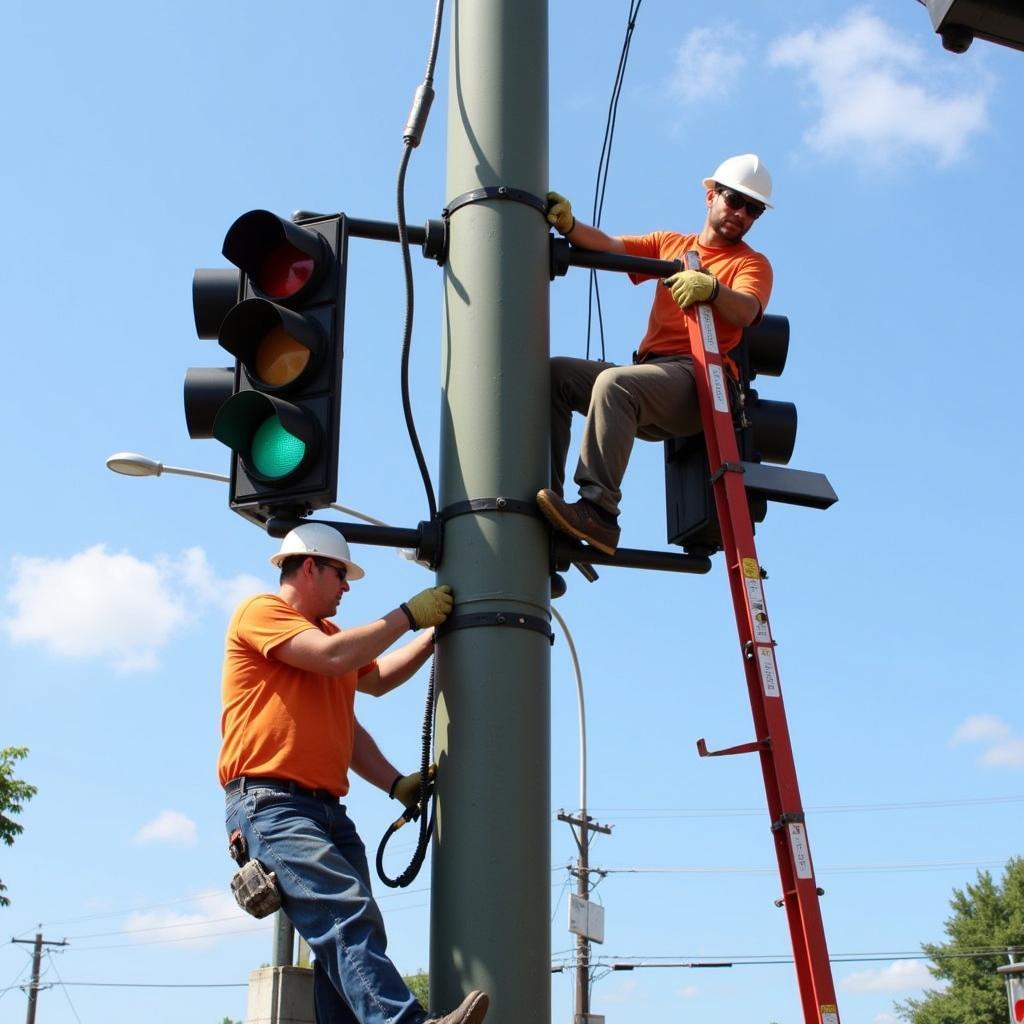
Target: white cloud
x: 708, y: 63
x: 688, y: 991
x: 94, y: 604
x: 899, y: 976
x: 102, y: 604
x: 876, y: 94
x: 884, y: 1018
x: 1003, y: 747
x: 980, y: 729
x: 194, y: 569
x: 168, y: 827
x: 218, y: 918
x: 1005, y: 755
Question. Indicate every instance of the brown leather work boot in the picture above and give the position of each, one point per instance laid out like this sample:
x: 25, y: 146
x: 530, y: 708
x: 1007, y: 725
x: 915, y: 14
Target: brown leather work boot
x: 471, y: 1010
x: 580, y: 520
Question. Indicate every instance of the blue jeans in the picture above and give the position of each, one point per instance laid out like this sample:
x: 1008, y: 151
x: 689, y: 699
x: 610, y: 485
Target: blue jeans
x: 322, y: 873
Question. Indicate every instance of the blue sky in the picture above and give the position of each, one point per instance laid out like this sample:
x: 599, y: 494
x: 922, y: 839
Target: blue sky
x: 134, y: 137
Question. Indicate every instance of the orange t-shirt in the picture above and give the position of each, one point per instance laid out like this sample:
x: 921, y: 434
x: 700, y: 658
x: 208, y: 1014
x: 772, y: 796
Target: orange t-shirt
x: 737, y: 266
x: 280, y: 721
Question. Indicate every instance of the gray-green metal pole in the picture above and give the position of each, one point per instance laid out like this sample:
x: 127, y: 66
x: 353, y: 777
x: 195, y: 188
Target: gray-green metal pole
x: 490, y: 917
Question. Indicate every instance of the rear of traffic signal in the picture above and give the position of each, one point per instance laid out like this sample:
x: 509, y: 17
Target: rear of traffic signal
x: 765, y: 433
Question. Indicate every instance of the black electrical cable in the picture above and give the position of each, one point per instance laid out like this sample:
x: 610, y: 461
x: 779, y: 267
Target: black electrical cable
x: 604, y: 163
x: 412, y: 135
x: 425, y: 807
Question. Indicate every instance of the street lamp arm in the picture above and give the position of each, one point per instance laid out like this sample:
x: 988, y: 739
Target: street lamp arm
x: 133, y: 464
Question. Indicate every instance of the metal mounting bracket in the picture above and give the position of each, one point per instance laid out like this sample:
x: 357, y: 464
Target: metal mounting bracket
x: 480, y: 195
x: 462, y: 508
x: 743, y: 748
x: 513, y: 619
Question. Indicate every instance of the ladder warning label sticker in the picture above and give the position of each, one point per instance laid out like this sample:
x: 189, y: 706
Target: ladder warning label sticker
x: 801, y: 855
x: 758, y: 612
x: 718, y: 394
x: 751, y: 569
x: 829, y: 1013
x: 707, y: 328
x: 769, y: 673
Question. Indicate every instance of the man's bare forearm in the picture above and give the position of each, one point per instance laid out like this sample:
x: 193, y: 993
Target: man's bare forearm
x: 584, y: 236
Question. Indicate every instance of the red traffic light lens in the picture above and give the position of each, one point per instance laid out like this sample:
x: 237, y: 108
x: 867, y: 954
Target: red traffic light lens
x: 284, y: 271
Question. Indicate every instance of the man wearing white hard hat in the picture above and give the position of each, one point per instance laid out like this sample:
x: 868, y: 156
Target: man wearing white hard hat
x: 290, y: 736
x: 655, y: 398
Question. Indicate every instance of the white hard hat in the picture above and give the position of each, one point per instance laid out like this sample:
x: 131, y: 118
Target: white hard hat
x: 745, y: 174
x: 320, y: 541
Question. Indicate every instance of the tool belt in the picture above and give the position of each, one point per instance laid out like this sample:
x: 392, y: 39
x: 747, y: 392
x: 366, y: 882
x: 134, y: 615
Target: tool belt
x: 254, y: 887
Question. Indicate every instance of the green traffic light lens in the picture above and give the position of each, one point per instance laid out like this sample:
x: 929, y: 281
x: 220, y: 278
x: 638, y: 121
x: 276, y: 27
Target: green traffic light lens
x: 275, y: 452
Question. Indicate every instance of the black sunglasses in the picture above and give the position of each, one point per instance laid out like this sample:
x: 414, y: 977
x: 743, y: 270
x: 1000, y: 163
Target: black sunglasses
x: 341, y: 570
x: 738, y: 201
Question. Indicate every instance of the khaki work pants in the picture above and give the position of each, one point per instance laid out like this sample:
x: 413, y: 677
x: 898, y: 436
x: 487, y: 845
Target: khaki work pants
x: 654, y: 401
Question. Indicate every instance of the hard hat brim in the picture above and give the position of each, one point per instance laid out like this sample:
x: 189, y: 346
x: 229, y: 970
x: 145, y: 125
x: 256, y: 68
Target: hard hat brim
x: 711, y: 183
x: 352, y: 570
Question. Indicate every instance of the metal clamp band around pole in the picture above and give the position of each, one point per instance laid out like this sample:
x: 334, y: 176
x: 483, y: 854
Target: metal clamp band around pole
x: 479, y: 195
x: 462, y: 508
x: 513, y: 619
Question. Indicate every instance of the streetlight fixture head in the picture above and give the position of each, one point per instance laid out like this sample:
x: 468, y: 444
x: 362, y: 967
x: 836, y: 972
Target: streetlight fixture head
x: 133, y: 464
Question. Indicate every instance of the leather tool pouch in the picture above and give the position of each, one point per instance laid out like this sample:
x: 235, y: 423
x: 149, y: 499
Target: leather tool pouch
x: 254, y: 887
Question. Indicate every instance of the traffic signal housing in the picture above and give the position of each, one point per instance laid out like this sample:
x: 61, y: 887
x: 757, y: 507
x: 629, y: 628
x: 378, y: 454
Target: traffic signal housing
x: 284, y: 326
x: 765, y: 433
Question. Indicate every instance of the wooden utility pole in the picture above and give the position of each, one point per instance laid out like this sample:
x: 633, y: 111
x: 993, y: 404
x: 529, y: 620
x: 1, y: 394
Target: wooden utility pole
x: 37, y: 955
x: 582, y: 825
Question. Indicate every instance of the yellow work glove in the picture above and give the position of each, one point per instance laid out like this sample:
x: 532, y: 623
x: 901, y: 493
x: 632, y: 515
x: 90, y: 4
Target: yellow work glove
x: 429, y: 607
x: 690, y: 286
x: 406, y: 788
x: 560, y: 213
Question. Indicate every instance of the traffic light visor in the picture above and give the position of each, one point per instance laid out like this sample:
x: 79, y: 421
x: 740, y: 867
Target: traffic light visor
x: 214, y: 292
x: 768, y: 346
x: 206, y: 390
x: 276, y: 347
x: 774, y: 429
x: 282, y: 260
x: 274, y: 439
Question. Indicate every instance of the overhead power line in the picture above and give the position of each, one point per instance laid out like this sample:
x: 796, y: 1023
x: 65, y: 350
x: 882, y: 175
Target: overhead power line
x: 640, y: 813
x: 828, y: 868
x: 628, y: 963
x: 604, y: 163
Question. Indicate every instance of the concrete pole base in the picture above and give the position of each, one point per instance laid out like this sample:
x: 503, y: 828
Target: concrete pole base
x: 280, y: 995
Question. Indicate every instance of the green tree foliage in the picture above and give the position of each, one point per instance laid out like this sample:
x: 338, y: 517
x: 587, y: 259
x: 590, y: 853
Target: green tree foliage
x: 986, y: 916
x: 14, y: 794
x: 419, y: 985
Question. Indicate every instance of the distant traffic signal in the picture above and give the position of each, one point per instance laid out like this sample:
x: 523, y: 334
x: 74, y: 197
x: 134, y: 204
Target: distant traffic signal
x: 282, y: 318
x: 765, y: 432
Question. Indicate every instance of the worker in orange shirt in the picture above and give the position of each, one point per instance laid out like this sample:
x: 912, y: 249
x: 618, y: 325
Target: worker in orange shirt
x: 655, y: 397
x: 290, y: 736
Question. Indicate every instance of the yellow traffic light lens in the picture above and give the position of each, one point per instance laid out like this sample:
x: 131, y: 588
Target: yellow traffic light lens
x: 279, y: 358
x: 275, y: 452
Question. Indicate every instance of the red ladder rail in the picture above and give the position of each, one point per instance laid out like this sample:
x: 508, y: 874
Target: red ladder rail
x: 792, y: 848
